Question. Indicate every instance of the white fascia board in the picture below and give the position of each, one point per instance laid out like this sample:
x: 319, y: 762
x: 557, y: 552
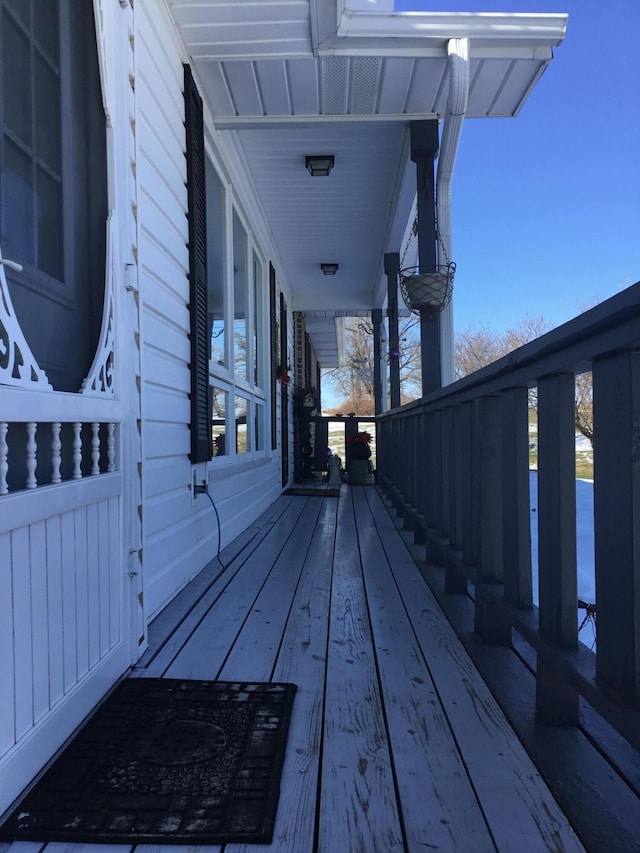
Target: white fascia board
x: 492, y: 34
x: 486, y: 27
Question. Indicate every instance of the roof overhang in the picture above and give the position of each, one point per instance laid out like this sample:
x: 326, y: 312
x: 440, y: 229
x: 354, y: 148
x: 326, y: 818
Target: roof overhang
x: 286, y: 78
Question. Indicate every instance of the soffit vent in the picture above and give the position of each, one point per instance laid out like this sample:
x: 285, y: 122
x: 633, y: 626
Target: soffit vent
x: 335, y: 71
x: 365, y: 73
x: 350, y: 86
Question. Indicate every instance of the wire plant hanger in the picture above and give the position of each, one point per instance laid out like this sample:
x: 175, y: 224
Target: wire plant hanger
x: 428, y: 292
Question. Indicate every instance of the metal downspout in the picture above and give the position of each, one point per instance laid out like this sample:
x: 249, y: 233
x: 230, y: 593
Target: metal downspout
x: 458, y: 50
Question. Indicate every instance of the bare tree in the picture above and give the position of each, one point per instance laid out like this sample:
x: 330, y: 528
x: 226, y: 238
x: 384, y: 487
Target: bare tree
x: 354, y: 378
x: 584, y: 405
x: 475, y: 347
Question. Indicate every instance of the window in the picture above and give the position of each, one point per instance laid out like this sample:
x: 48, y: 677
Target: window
x: 53, y: 186
x: 243, y: 444
x: 218, y: 421
x: 259, y: 426
x: 241, y: 341
x: 215, y: 263
x: 257, y: 316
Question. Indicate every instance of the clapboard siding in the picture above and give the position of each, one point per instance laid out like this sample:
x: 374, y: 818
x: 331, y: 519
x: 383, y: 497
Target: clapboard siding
x: 166, y: 439
x: 162, y: 474
x: 167, y: 405
x: 159, y: 266
x: 180, y: 534
x: 166, y: 224
x: 165, y: 369
x: 157, y: 42
x: 168, y: 193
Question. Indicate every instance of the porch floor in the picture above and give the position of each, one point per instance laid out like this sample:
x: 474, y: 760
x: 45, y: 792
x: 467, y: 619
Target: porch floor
x: 396, y: 743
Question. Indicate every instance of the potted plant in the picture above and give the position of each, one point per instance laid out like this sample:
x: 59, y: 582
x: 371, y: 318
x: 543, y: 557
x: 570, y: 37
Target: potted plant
x: 358, y: 445
x: 282, y: 373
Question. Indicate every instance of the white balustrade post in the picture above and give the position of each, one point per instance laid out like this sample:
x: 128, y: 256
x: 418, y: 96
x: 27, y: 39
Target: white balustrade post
x: 4, y: 456
x: 95, y: 449
x: 77, y: 451
x: 111, y: 447
x: 32, y: 460
x: 56, y: 455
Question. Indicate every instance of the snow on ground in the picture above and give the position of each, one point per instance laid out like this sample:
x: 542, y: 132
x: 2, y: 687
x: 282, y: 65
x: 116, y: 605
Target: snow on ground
x: 585, y: 545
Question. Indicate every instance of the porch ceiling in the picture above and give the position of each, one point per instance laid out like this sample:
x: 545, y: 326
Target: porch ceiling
x: 286, y: 78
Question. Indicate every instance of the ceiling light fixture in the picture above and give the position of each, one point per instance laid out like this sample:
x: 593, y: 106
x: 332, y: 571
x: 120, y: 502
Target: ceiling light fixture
x: 329, y: 269
x: 319, y: 165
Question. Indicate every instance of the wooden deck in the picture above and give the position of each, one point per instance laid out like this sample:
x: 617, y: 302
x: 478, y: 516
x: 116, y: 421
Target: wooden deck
x: 396, y: 743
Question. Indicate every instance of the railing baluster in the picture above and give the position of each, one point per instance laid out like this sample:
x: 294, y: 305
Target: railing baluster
x: 56, y: 454
x: 111, y: 448
x: 490, y: 623
x: 556, y: 701
x: 467, y: 465
x: 95, y: 449
x: 32, y: 459
x: 77, y: 451
x: 516, y: 503
x: 4, y: 457
x: 616, y: 401
x: 455, y: 580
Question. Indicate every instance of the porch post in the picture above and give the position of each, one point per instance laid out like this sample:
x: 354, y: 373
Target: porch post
x: 376, y: 319
x: 392, y: 268
x: 424, y: 150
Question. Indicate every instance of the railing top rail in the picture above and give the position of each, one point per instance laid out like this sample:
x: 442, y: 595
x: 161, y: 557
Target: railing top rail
x: 612, y: 326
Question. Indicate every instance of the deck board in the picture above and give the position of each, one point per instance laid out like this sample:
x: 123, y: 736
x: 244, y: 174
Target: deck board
x: 518, y: 806
x: 395, y: 743
x: 358, y: 805
x: 439, y: 805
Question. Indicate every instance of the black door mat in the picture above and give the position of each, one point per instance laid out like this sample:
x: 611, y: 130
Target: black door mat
x: 168, y: 762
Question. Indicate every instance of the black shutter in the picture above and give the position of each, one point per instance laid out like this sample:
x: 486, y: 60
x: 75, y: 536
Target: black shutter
x: 274, y: 355
x: 201, y: 439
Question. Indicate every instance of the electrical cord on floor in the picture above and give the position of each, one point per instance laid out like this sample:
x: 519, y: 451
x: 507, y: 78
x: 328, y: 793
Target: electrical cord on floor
x: 203, y: 490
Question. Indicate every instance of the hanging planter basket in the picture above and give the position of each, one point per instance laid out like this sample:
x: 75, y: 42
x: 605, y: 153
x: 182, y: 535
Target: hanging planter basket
x: 428, y: 292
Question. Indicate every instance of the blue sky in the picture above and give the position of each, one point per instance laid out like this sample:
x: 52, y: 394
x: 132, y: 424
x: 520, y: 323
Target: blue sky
x: 546, y: 206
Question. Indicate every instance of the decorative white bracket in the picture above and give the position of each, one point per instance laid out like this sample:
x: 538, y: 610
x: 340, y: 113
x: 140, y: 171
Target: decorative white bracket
x: 100, y: 377
x: 18, y: 365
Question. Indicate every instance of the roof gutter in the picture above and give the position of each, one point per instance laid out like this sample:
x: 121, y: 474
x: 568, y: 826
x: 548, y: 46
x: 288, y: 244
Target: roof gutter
x: 458, y: 50
x: 484, y: 28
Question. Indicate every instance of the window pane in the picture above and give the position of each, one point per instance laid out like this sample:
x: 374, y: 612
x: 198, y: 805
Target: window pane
x: 16, y: 72
x: 259, y: 426
x: 17, y: 225
x: 45, y: 25
x: 49, y: 212
x: 47, y: 92
x: 218, y: 422
x: 215, y: 261
x: 257, y: 316
x: 242, y: 435
x: 240, y: 281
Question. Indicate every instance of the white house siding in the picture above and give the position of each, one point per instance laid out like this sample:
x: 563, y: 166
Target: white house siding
x: 179, y: 534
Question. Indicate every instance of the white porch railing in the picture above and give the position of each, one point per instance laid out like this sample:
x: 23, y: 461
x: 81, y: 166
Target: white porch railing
x: 461, y: 481
x: 64, y: 631
x: 66, y: 451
